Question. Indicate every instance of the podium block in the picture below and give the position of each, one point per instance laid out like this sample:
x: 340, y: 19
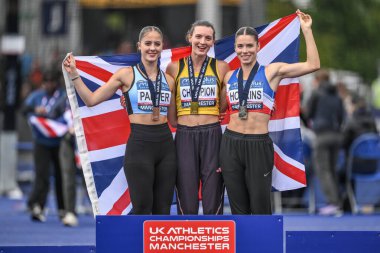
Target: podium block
x: 332, y: 241
x: 189, y: 233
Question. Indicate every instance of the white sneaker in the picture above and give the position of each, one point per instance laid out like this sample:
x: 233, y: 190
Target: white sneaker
x: 330, y: 210
x: 37, y: 214
x: 15, y: 194
x: 70, y: 220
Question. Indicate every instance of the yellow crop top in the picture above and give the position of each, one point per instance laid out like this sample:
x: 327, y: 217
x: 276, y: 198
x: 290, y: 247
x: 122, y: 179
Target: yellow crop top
x: 209, y: 94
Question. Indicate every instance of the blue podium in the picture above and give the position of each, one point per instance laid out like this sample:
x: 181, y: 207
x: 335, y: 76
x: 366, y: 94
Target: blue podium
x: 187, y: 234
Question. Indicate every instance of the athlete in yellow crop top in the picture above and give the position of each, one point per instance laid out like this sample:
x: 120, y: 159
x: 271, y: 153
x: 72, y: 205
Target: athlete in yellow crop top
x: 209, y: 92
x: 198, y: 85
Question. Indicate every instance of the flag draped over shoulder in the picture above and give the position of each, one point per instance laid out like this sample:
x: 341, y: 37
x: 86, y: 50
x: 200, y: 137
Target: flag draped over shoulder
x: 102, y: 131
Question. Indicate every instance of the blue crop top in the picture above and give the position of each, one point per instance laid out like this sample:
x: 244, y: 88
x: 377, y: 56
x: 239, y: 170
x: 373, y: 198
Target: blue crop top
x: 138, y: 98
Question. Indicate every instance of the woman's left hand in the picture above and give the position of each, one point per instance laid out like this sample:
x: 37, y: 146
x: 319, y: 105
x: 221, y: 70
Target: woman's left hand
x: 305, y: 19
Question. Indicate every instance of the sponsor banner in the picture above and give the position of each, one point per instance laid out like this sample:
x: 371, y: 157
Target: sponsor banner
x: 217, y: 236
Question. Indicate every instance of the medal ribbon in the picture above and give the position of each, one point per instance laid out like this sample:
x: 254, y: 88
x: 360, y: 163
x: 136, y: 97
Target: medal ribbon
x: 195, y: 87
x: 243, y: 90
x: 155, y: 89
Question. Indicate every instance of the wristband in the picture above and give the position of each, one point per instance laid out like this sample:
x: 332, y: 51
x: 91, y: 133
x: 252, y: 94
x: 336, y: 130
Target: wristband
x: 75, y: 78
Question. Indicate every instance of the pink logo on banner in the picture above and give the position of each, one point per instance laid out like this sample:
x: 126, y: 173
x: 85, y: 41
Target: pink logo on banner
x: 189, y: 236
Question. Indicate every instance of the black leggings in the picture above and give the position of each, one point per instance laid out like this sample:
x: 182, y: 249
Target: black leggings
x: 150, y: 168
x: 247, y: 162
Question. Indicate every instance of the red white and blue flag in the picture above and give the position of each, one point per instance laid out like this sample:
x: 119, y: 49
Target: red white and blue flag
x: 102, y: 131
x: 48, y: 128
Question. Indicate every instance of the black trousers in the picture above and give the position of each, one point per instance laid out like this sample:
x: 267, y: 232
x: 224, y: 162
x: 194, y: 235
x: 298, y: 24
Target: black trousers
x: 197, y: 151
x: 150, y: 168
x: 69, y: 170
x: 247, y: 162
x: 44, y: 156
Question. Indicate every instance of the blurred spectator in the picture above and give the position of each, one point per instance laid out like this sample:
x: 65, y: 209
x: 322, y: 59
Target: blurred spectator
x: 125, y: 47
x: 55, y: 61
x: 346, y: 97
x: 42, y: 105
x: 360, y: 122
x: 325, y: 112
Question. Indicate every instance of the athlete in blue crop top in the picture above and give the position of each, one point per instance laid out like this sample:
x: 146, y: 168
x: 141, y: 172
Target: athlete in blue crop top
x: 247, y: 153
x: 150, y: 158
x: 260, y: 95
x: 138, y: 98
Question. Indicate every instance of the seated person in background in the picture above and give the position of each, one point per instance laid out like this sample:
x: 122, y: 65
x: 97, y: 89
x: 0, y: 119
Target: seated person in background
x: 361, y: 121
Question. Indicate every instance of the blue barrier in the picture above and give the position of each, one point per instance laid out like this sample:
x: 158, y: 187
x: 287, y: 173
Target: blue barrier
x: 24, y: 146
x: 333, y: 241
x: 126, y: 233
x: 48, y: 249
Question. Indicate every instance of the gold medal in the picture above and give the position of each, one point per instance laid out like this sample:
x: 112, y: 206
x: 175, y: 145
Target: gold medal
x: 156, y: 113
x: 194, y: 108
x: 243, y: 114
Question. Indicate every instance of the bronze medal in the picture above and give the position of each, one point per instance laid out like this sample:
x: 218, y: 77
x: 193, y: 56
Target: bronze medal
x: 155, y: 91
x: 194, y: 108
x: 243, y: 114
x: 156, y: 113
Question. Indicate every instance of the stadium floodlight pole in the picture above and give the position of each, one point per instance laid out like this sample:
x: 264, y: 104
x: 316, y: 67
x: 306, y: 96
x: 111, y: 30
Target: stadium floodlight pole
x: 211, y: 10
x: 11, y: 72
x: 11, y: 83
x: 252, y: 13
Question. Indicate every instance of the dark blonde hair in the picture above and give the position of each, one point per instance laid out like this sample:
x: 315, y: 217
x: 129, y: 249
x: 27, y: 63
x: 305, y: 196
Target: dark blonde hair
x: 149, y: 28
x: 247, y: 30
x: 200, y: 23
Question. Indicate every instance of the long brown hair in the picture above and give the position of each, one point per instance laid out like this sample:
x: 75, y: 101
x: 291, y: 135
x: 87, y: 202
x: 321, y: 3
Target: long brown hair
x: 200, y: 23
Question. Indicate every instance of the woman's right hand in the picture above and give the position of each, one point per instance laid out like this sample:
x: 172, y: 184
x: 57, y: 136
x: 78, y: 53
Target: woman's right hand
x: 70, y: 65
x: 123, y: 103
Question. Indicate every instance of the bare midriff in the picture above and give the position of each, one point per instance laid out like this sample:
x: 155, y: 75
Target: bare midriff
x: 197, y: 120
x: 146, y: 119
x: 257, y: 123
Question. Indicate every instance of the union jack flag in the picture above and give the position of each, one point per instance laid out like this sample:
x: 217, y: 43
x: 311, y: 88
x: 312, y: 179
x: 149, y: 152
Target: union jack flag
x: 48, y: 128
x: 102, y: 131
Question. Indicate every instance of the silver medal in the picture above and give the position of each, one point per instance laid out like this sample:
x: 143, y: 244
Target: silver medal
x: 243, y: 114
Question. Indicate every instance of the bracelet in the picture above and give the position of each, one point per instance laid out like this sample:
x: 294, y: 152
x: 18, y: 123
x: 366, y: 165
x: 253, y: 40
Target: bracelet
x: 75, y: 78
